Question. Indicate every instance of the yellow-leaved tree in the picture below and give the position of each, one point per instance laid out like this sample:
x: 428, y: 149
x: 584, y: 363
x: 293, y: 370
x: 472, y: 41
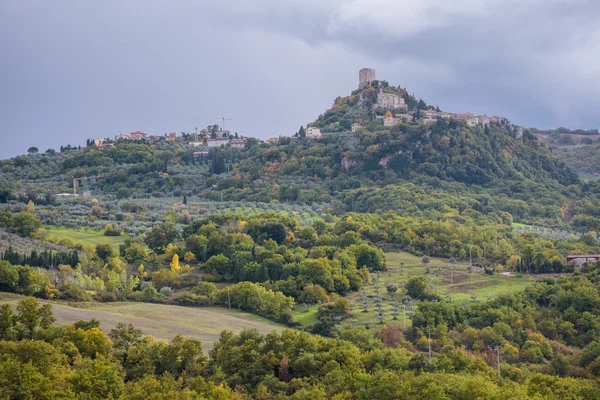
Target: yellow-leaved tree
x: 175, y: 267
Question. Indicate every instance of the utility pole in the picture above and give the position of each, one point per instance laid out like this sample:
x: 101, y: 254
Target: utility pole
x: 498, y: 356
x: 228, y: 298
x: 429, y: 343
x: 484, y: 256
x: 470, y: 258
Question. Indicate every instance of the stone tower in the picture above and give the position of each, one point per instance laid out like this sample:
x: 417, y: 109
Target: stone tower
x: 365, y: 76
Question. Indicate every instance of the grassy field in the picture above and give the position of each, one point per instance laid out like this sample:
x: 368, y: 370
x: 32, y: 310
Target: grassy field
x: 161, y: 321
x: 83, y: 237
x: 458, y: 288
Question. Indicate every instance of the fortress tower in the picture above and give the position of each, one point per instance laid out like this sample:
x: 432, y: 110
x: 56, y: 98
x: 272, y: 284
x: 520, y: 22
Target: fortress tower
x: 365, y: 76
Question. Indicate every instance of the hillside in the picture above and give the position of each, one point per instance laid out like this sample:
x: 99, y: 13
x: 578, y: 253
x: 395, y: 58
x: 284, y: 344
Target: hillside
x: 163, y: 322
x: 584, y: 159
x: 376, y: 154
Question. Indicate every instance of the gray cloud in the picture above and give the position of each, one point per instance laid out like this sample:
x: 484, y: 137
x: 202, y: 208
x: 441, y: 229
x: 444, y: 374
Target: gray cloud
x: 74, y: 70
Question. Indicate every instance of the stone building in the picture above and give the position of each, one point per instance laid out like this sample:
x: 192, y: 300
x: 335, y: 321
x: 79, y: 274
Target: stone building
x: 355, y: 127
x: 580, y: 259
x: 217, y: 142
x: 391, y: 121
x: 313, y: 133
x: 390, y: 100
x: 238, y: 143
x: 365, y: 77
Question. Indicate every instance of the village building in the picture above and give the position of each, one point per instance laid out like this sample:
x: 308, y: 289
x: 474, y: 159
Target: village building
x: 197, y: 154
x: 217, y: 142
x: 196, y: 144
x: 390, y: 100
x: 313, y: 132
x: 238, y: 143
x: 580, y: 259
x: 171, y: 136
x: 137, y: 135
x: 355, y: 127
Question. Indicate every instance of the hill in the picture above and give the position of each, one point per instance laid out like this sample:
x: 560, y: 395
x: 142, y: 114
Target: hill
x: 381, y: 149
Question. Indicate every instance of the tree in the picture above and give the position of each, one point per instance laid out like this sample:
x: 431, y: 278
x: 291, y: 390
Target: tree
x: 96, y: 212
x: 197, y: 245
x: 165, y: 157
x: 301, y: 132
x: 31, y: 316
x: 124, y: 336
x: 218, y: 163
x: 368, y: 256
x: 161, y: 235
x: 219, y: 264
x: 425, y: 260
x: 416, y: 286
x: 9, y: 276
x: 175, y: 267
x: 25, y: 223
x: 33, y: 150
x: 104, y: 251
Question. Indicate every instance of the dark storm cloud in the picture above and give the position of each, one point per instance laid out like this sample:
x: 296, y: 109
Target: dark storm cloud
x: 73, y: 70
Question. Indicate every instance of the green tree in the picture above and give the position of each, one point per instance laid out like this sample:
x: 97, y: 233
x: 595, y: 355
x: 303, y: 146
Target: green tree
x: 9, y: 276
x: 197, y: 245
x: 368, y: 256
x: 218, y: 264
x: 104, y: 251
x: 26, y: 223
x: 124, y: 336
x: 161, y: 235
x: 416, y: 286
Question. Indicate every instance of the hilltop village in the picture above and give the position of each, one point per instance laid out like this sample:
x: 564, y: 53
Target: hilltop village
x: 373, y: 101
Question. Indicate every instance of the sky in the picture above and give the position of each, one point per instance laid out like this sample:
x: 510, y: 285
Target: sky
x: 72, y: 70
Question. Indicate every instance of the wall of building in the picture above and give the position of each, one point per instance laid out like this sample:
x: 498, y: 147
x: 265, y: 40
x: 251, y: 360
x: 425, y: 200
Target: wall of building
x: 366, y: 76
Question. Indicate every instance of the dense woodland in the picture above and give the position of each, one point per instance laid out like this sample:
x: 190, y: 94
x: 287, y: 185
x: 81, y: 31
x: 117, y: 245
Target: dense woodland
x: 548, y: 337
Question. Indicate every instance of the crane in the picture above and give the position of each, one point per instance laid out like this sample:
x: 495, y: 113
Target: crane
x: 223, y: 119
x: 80, y: 178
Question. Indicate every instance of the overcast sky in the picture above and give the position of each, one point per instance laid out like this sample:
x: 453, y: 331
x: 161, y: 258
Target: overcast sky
x: 72, y: 70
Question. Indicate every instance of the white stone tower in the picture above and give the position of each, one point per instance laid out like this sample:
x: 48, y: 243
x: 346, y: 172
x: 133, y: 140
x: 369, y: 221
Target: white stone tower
x: 365, y: 77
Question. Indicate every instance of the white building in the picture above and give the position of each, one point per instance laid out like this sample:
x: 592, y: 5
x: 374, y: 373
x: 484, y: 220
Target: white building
x: 217, y: 142
x: 313, y: 133
x: 356, y: 127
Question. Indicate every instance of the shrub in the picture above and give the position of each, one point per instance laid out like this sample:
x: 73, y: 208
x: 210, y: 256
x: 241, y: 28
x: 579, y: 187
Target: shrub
x: 167, y: 291
x: 313, y: 294
x: 207, y: 289
x: 188, y: 299
x: 212, y: 278
x: 71, y: 291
